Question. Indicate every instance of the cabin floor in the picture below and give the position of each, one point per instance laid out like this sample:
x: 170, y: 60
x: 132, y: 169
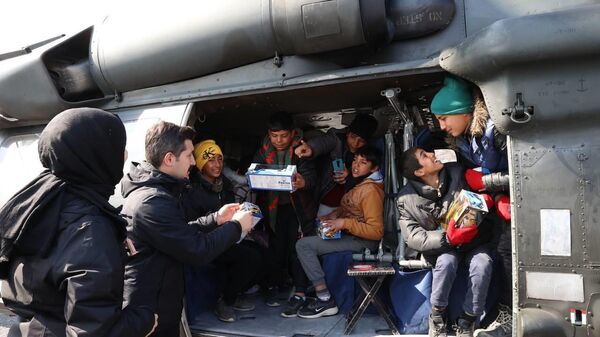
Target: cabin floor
x: 266, y: 321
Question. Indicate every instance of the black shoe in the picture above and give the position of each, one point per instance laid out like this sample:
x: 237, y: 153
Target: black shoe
x: 294, y: 303
x: 464, y: 327
x: 317, y: 308
x: 225, y: 312
x: 272, y: 297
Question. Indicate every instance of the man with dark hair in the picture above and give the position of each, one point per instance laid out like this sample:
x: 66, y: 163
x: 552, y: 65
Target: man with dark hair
x: 337, y: 145
x: 423, y: 204
x: 360, y: 217
x: 159, y: 237
x: 288, y: 215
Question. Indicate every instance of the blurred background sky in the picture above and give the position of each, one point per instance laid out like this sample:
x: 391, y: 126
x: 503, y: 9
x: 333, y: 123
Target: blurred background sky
x: 24, y: 22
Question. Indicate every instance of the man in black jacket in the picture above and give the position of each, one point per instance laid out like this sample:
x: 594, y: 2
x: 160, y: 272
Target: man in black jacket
x: 422, y: 204
x: 161, y: 240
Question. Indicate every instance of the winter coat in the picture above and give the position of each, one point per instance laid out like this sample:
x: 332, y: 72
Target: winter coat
x: 77, y: 288
x: 163, y: 241
x: 482, y: 145
x: 330, y: 146
x: 200, y: 199
x: 422, y: 207
x: 362, y: 208
x: 302, y: 200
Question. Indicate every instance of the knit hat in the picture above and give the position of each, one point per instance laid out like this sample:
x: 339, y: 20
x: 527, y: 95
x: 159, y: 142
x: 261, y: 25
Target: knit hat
x: 205, y: 151
x: 363, y: 125
x: 453, y: 98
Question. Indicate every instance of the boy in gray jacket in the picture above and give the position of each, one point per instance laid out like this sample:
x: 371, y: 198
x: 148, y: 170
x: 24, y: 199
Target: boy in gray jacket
x: 422, y: 203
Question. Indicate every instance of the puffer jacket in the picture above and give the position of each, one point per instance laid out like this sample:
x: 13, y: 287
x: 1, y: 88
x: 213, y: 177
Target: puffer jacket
x: 164, y: 241
x: 422, y: 207
x: 77, y: 289
x: 362, y: 208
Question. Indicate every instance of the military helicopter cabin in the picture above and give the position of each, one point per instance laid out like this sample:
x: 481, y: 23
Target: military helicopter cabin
x: 223, y: 67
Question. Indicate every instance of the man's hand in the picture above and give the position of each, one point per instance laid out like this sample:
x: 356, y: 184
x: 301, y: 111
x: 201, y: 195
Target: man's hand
x: 225, y: 213
x: 298, y: 182
x: 154, y: 326
x: 245, y: 220
x: 335, y: 225
x: 303, y: 150
x: 340, y: 176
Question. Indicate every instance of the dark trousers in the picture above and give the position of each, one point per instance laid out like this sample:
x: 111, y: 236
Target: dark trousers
x: 238, y: 266
x: 504, y: 249
x: 282, y: 246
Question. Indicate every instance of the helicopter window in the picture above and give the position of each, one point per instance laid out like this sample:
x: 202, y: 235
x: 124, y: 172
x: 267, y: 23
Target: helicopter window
x: 20, y: 163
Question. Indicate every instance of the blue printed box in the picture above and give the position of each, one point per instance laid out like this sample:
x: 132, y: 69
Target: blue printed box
x: 325, y: 233
x: 271, y: 177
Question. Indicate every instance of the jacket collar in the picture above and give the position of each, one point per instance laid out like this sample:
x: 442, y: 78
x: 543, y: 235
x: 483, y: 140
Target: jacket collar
x: 429, y: 192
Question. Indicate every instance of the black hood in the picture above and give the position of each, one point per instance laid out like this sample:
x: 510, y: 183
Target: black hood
x: 83, y: 153
x: 145, y: 174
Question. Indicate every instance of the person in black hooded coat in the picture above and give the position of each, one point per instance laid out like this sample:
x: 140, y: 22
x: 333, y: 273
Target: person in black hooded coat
x: 62, y: 255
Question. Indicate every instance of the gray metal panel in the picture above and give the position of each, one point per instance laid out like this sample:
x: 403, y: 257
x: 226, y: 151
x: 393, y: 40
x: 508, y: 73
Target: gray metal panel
x: 296, y: 72
x: 22, y: 98
x: 536, y: 187
x: 556, y: 67
x: 482, y: 13
x: 164, y: 44
x: 427, y: 46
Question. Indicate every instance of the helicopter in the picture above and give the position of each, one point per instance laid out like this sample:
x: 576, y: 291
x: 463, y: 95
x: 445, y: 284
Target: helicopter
x: 223, y: 67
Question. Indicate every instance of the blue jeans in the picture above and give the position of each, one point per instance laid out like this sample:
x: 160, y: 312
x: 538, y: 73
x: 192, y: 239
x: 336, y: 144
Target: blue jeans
x: 479, y: 262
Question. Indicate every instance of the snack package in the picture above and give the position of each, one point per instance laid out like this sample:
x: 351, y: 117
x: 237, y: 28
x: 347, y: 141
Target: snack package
x: 467, y: 209
x: 324, y: 232
x: 256, y: 215
x: 271, y: 177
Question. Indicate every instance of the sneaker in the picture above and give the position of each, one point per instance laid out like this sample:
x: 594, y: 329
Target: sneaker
x: 293, y: 305
x: 464, y: 327
x: 272, y: 297
x: 437, y: 326
x: 317, y: 308
x: 252, y: 290
x: 501, y: 327
x: 242, y: 303
x: 224, y: 312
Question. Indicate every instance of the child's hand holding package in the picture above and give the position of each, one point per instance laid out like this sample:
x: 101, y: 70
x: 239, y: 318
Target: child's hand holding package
x: 335, y: 225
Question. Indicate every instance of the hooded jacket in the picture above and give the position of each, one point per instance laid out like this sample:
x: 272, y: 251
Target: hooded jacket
x: 362, y: 208
x: 421, y: 208
x: 482, y: 145
x: 62, y: 242
x: 164, y: 241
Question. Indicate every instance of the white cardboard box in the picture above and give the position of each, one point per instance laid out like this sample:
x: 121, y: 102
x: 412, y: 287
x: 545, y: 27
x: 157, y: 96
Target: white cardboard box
x: 271, y: 177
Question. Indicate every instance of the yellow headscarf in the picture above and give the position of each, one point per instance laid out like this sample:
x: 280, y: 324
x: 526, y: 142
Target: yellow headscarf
x: 205, y: 151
